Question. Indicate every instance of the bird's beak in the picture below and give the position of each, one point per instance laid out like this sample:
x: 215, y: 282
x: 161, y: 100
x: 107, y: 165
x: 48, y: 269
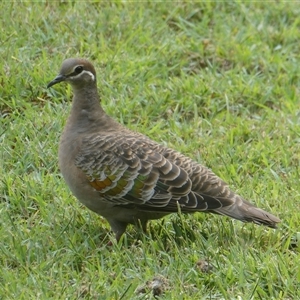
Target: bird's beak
x: 57, y: 79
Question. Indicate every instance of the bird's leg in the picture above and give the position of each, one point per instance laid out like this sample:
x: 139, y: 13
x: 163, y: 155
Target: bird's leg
x: 117, y: 227
x: 141, y: 225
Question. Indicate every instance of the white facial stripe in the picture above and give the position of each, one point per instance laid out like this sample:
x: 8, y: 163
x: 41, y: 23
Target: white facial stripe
x: 86, y: 72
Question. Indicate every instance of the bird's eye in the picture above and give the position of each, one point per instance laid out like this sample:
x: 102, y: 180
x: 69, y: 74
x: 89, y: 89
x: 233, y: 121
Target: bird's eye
x: 78, y: 69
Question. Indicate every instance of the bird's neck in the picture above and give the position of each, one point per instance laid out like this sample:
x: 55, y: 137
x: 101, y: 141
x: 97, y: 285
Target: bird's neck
x: 85, y: 101
x: 86, y: 112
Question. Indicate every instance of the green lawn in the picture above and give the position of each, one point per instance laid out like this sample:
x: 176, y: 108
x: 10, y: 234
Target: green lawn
x: 217, y: 81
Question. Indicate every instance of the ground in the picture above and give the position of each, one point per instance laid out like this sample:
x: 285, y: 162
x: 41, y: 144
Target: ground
x: 217, y: 81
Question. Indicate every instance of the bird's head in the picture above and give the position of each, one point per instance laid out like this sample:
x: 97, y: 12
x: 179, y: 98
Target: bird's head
x: 78, y: 72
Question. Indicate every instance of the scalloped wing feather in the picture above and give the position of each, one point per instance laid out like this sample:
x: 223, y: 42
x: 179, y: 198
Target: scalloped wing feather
x: 132, y: 169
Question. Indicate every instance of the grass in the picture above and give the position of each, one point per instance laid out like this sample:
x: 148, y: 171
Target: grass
x: 217, y: 81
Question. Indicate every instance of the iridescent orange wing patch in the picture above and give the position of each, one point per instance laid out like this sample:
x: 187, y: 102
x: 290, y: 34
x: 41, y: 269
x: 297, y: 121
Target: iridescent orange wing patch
x: 101, y: 184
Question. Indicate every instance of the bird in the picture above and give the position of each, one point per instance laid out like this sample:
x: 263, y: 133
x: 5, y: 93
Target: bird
x: 126, y: 177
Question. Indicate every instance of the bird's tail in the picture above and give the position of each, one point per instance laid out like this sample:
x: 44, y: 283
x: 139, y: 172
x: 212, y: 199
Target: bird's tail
x: 246, y: 212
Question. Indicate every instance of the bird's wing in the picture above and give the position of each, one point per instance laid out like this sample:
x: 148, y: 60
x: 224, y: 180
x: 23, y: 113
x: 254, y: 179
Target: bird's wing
x: 131, y: 170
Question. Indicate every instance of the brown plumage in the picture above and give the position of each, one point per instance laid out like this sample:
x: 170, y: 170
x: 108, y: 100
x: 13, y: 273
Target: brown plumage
x: 126, y: 177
